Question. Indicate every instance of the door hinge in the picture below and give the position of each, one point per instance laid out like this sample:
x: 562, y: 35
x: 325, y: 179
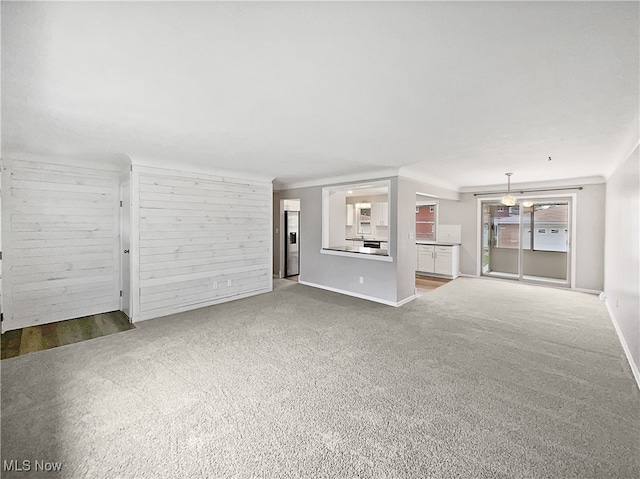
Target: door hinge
x: 0, y: 255
x: 121, y: 293
x: 1, y: 317
x: 120, y: 204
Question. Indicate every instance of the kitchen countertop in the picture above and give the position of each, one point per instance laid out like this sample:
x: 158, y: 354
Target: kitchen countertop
x: 360, y: 249
x: 358, y: 238
x: 435, y: 243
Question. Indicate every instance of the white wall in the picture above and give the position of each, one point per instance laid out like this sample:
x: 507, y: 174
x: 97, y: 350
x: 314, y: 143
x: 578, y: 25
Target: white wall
x: 387, y: 282
x: 622, y: 255
x: 337, y: 217
x: 61, y: 227
x: 278, y: 246
x: 406, y: 220
x: 342, y: 273
x: 1, y: 310
x: 197, y: 240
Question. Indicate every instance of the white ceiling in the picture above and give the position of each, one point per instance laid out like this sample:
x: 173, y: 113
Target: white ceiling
x: 453, y: 93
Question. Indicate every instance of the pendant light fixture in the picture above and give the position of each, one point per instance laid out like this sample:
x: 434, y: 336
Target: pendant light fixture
x: 507, y: 199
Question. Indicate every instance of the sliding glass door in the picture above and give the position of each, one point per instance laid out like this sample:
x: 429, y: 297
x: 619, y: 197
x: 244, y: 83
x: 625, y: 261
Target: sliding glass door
x: 547, y: 254
x: 502, y: 230
x: 528, y: 241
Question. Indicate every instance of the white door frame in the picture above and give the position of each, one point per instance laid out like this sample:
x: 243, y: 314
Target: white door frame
x: 125, y: 247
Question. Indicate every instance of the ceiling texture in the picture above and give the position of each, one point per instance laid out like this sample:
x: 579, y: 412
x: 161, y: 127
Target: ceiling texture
x: 454, y: 94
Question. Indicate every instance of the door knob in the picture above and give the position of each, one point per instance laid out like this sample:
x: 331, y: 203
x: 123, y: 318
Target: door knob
x: 126, y: 251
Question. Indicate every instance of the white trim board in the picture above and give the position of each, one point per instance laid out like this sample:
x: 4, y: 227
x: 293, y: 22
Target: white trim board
x: 375, y: 175
x: 625, y: 347
x: 195, y: 306
x: 395, y: 304
x: 195, y: 170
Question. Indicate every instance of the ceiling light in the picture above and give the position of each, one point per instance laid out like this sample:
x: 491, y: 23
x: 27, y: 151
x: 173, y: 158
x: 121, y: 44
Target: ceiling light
x: 527, y: 204
x: 350, y: 192
x: 507, y: 199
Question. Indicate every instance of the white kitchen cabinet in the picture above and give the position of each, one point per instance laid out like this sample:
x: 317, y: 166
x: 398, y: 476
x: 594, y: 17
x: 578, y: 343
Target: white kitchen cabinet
x: 439, y: 260
x: 350, y: 214
x: 443, y: 263
x: 426, y: 255
x: 380, y: 214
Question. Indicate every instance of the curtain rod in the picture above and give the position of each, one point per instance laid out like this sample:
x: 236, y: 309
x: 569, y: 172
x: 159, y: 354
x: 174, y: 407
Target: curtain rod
x: 528, y: 191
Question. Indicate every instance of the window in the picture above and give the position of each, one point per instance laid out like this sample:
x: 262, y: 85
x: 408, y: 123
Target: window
x: 550, y: 222
x: 426, y: 221
x: 506, y: 227
x: 544, y: 227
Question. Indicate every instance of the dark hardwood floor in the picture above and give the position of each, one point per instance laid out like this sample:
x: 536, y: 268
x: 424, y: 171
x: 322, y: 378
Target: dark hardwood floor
x: 47, y: 336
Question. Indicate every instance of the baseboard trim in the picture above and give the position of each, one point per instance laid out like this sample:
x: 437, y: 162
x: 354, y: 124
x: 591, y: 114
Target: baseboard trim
x: 436, y: 275
x: 149, y: 315
x: 466, y: 275
x: 585, y: 290
x: 625, y: 347
x: 358, y: 295
x: 406, y: 300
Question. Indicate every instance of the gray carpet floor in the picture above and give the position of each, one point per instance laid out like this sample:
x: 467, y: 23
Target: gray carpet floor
x: 476, y: 379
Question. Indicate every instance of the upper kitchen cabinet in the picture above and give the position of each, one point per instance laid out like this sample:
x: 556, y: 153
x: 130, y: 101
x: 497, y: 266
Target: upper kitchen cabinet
x: 380, y: 214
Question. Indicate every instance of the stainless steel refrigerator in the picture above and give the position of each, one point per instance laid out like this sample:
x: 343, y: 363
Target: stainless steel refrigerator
x: 292, y: 243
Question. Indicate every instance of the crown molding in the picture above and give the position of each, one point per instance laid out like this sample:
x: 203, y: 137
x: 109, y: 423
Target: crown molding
x: 189, y: 167
x: 369, y: 175
x: 568, y: 182
x: 113, y: 162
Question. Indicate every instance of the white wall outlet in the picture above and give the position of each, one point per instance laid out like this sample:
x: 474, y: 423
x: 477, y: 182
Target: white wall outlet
x: 215, y: 285
x: 410, y: 235
x: 361, y: 279
x: 228, y: 282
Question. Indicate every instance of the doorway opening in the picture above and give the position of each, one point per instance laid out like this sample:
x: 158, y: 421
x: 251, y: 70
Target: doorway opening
x: 291, y: 238
x: 530, y: 241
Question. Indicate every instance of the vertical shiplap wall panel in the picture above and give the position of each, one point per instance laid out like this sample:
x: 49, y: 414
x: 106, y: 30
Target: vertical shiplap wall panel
x: 201, y: 240
x: 61, y: 232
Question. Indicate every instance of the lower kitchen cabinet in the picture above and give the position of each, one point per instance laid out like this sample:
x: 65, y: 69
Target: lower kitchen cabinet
x: 439, y: 260
x: 426, y: 259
